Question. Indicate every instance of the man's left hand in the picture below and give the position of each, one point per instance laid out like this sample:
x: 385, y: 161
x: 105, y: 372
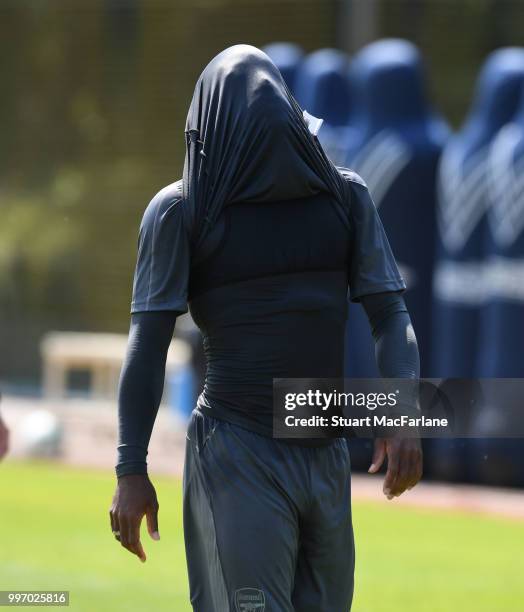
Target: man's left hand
x: 404, y: 457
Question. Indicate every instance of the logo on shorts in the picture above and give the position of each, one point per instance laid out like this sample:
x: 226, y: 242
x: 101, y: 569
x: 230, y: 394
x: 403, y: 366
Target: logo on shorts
x: 250, y: 600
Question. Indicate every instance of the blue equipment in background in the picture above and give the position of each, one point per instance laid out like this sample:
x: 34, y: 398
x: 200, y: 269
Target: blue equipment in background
x: 396, y: 149
x: 502, y: 317
x: 182, y: 392
x: 287, y: 58
x: 460, y: 286
x: 322, y: 88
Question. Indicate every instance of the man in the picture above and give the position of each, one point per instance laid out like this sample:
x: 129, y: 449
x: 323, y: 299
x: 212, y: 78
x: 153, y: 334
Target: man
x: 262, y: 238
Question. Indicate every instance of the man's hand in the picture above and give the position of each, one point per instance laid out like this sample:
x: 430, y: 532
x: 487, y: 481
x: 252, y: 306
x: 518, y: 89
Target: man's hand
x: 4, y: 439
x: 404, y: 464
x: 135, y: 496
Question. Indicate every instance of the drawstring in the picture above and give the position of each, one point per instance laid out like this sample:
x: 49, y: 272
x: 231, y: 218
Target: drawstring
x: 201, y: 143
x: 193, y: 135
x: 193, y: 138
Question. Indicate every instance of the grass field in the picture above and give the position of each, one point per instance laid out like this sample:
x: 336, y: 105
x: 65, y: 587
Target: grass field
x: 55, y: 535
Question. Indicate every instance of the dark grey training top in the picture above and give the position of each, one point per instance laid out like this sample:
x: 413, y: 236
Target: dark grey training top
x: 270, y: 295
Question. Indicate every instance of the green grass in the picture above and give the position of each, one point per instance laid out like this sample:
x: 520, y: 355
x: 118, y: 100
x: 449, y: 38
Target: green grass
x: 55, y: 534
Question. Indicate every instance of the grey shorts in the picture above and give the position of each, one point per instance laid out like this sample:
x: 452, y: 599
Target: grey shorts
x: 267, y: 524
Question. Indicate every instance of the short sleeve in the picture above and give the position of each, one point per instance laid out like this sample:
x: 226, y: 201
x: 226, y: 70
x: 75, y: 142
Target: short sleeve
x: 162, y: 269
x: 372, y: 266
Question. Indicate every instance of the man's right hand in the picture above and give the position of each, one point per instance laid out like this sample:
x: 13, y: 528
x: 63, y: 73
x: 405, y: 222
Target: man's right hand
x: 135, y: 497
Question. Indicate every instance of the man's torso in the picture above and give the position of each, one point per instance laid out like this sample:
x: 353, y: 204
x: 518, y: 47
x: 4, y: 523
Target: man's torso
x: 271, y: 302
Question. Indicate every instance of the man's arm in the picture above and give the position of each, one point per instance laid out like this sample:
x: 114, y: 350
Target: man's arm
x: 140, y: 393
x: 397, y: 357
